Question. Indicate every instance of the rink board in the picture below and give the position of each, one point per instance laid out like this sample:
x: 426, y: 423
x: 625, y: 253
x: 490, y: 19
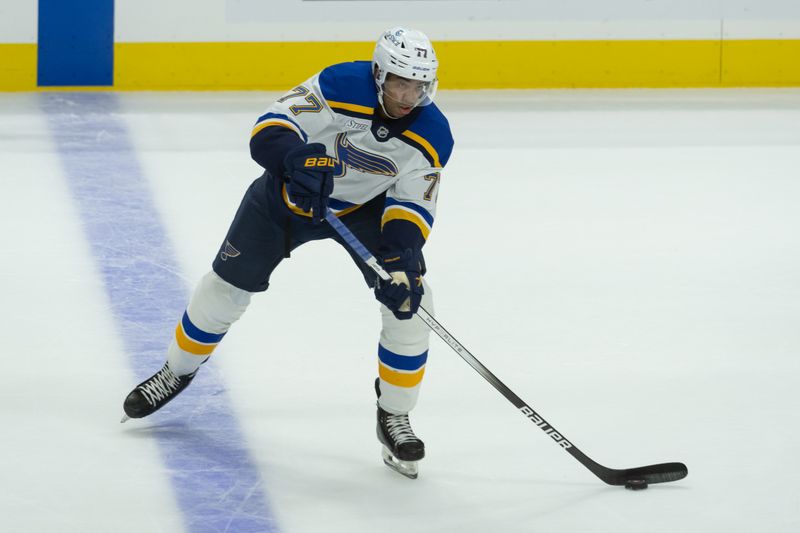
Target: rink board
x: 508, y: 64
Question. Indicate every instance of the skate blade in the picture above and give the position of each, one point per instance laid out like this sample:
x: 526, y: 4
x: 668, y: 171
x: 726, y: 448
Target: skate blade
x: 408, y: 469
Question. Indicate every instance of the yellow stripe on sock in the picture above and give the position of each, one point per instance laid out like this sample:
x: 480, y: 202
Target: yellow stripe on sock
x: 188, y: 345
x: 400, y: 379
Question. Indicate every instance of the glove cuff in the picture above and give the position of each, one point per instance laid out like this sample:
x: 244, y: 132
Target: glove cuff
x: 407, y: 260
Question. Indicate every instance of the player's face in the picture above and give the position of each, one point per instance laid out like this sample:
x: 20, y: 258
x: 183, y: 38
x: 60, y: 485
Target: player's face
x: 401, y: 95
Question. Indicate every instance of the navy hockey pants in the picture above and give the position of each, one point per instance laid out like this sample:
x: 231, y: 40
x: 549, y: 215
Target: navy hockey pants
x: 264, y: 231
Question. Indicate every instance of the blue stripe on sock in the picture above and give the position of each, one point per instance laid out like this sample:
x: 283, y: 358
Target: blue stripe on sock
x: 217, y: 485
x: 401, y: 362
x: 197, y: 334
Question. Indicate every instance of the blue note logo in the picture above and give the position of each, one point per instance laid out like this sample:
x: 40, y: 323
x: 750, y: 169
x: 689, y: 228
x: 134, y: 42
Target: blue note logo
x: 228, y: 251
x: 348, y: 155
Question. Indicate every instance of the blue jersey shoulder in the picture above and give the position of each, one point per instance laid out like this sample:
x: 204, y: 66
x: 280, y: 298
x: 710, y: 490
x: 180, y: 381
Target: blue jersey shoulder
x: 349, y: 88
x: 430, y: 132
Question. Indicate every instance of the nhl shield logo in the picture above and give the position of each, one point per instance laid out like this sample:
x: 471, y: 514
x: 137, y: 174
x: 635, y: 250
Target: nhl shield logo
x: 382, y: 132
x: 228, y: 251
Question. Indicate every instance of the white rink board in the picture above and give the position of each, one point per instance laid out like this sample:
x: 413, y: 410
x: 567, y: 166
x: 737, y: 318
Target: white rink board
x: 298, y: 20
x: 18, y: 21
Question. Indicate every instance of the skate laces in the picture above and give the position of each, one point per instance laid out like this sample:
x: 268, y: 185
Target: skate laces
x: 160, y: 386
x: 399, y: 428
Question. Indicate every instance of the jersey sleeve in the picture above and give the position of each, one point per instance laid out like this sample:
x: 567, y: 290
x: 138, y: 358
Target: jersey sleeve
x: 289, y: 122
x: 409, y: 212
x: 410, y: 207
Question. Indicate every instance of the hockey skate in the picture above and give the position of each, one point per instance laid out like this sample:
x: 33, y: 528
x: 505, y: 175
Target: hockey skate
x: 401, y: 448
x: 154, y: 393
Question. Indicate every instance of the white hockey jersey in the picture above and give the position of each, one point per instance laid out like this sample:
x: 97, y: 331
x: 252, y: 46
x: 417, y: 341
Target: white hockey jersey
x: 338, y: 108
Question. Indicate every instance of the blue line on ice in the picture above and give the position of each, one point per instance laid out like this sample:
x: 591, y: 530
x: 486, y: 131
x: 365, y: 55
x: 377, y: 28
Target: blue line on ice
x: 216, y: 483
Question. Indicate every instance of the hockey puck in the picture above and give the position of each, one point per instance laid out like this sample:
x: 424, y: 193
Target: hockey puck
x: 636, y: 484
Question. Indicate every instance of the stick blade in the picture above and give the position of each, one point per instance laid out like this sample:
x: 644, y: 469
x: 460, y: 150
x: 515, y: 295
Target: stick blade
x: 660, y: 473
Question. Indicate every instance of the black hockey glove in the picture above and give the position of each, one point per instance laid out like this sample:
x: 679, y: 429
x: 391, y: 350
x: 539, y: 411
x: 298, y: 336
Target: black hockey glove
x: 309, y: 179
x: 404, y: 293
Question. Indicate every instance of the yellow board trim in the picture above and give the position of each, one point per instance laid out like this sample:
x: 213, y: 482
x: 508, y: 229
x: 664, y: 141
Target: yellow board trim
x: 762, y: 63
x: 402, y: 214
x: 580, y: 64
x: 229, y: 66
x: 188, y: 345
x: 400, y: 379
x: 513, y: 64
x: 425, y: 144
x: 351, y: 107
x: 18, y: 67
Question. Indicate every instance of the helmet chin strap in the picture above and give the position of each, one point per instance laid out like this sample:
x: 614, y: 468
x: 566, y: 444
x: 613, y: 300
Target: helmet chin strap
x: 381, y: 96
x: 383, y: 106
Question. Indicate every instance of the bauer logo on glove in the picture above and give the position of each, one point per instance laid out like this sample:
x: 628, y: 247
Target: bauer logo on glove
x: 319, y: 162
x: 309, y: 179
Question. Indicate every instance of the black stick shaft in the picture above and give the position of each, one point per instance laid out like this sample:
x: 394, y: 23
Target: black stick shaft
x: 652, y: 473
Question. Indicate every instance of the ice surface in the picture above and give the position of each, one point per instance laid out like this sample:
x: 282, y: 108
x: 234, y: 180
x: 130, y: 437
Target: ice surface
x: 628, y: 262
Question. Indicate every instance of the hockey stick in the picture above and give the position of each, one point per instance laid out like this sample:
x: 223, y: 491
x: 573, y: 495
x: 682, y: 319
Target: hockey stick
x: 634, y: 478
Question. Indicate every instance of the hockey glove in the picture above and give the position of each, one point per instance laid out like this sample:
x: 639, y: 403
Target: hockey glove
x: 309, y: 179
x: 404, y: 293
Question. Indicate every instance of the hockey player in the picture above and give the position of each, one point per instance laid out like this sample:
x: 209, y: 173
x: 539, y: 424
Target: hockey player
x: 365, y: 140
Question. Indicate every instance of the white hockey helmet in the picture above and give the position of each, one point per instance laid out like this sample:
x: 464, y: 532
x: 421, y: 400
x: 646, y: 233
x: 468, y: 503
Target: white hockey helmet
x: 409, y: 54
